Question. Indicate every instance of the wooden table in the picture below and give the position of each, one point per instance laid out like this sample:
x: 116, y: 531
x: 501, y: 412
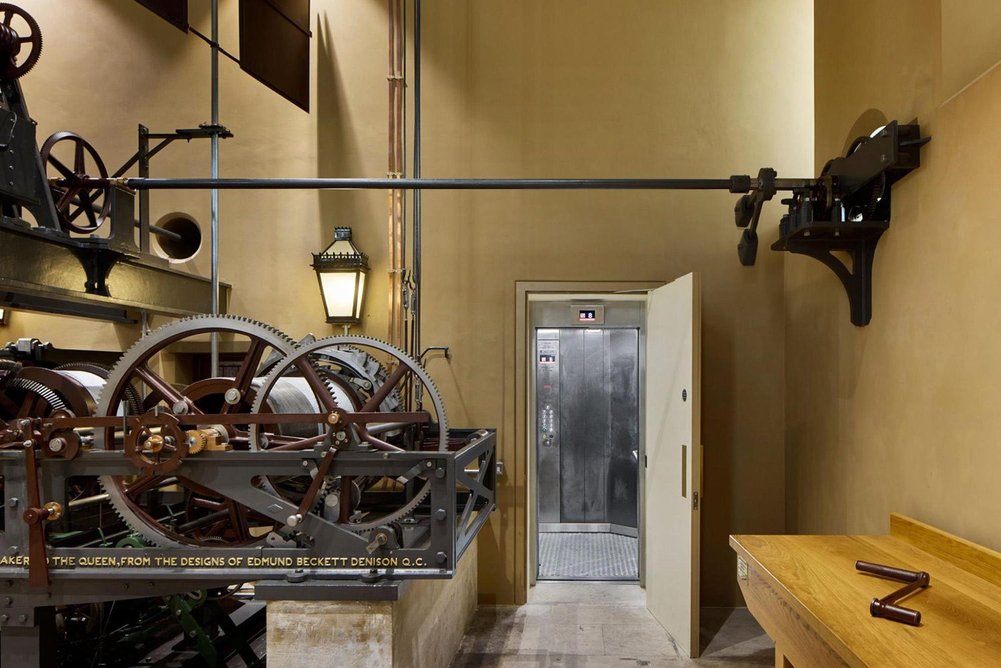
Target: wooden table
x: 807, y: 595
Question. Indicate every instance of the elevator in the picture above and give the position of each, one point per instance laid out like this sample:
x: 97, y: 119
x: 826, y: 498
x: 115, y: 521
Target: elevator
x: 587, y: 368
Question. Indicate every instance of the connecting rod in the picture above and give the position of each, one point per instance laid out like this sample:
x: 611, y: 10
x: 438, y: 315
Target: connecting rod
x: 734, y: 184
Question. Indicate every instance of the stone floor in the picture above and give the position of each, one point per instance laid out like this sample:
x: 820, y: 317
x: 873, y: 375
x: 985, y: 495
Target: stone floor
x: 598, y: 625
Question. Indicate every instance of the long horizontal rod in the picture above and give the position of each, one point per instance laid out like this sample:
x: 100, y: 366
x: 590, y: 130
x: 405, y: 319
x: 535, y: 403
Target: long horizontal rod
x: 735, y: 184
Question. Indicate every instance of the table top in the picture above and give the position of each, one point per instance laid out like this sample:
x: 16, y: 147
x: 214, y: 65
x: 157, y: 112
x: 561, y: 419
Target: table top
x: 816, y: 577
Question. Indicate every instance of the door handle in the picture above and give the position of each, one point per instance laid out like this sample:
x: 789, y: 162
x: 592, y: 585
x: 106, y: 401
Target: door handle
x: 684, y: 470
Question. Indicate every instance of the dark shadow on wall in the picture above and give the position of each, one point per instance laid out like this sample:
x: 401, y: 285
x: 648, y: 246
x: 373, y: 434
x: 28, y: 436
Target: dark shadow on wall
x: 717, y: 465
x: 336, y: 146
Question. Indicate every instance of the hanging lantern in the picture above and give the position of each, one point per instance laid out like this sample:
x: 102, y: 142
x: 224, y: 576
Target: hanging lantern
x: 341, y: 270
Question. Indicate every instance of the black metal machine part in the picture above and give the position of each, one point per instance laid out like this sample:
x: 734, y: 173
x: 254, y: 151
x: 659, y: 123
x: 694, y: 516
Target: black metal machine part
x: 845, y: 209
x: 443, y: 529
x: 43, y: 266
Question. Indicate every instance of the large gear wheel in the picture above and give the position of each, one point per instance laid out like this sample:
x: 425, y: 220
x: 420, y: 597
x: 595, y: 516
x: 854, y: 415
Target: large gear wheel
x: 16, y: 62
x: 352, y: 349
x: 335, y: 343
x: 217, y: 520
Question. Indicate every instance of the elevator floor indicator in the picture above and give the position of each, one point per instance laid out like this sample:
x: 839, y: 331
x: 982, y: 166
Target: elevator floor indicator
x: 587, y: 556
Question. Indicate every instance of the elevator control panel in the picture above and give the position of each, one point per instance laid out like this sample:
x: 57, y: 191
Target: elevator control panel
x: 547, y: 424
x: 547, y: 375
x: 547, y: 421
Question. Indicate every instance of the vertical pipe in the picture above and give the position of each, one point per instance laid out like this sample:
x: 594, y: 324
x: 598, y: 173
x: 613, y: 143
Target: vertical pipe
x: 396, y: 202
x: 392, y: 170
x: 214, y: 207
x: 416, y: 337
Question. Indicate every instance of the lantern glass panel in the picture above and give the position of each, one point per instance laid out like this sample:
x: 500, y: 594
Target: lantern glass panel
x: 339, y: 293
x: 361, y: 291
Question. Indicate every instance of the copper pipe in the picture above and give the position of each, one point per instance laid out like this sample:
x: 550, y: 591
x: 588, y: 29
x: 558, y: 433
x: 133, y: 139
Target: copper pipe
x: 395, y: 199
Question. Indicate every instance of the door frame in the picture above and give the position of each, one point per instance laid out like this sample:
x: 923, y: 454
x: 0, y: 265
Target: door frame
x: 526, y: 563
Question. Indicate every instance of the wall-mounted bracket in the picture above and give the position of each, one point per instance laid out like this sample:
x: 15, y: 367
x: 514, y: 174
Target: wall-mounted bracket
x: 822, y: 240
x: 844, y: 210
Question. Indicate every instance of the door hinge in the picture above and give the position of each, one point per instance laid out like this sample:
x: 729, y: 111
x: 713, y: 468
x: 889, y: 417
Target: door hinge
x: 695, y: 500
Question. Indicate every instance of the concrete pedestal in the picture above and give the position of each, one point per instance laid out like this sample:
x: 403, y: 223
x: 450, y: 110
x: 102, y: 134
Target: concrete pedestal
x: 419, y: 624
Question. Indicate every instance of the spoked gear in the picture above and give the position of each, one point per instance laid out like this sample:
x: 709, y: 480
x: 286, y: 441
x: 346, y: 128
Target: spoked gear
x: 21, y: 44
x: 38, y: 392
x: 331, y: 345
x: 339, y: 348
x: 75, y: 196
x: 201, y: 508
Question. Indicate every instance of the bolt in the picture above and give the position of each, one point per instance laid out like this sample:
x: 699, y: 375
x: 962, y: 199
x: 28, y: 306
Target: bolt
x: 305, y: 463
x: 4, y: 619
x: 27, y: 444
x: 177, y: 613
x: 232, y: 396
x: 883, y: 158
x: 169, y: 440
x: 22, y: 618
x: 14, y: 549
x: 8, y: 601
x: 180, y: 407
x: 57, y: 444
x: 441, y: 557
x: 12, y: 502
x: 341, y: 436
x: 440, y: 514
x: 429, y: 464
x: 294, y: 520
x: 439, y: 473
x: 264, y: 442
x: 192, y: 634
x: 333, y: 418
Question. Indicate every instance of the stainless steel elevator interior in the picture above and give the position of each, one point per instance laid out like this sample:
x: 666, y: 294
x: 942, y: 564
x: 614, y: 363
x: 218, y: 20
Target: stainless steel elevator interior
x: 587, y: 439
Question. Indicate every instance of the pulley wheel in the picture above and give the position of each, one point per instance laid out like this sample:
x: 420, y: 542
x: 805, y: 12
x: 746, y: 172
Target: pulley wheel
x: 74, y: 198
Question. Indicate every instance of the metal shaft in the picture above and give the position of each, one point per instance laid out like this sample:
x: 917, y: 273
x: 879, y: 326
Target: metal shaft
x: 214, y: 205
x: 733, y: 185
x: 415, y: 343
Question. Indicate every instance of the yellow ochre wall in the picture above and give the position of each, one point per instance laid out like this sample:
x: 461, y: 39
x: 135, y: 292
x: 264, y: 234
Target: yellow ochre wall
x: 512, y: 88
x: 595, y: 88
x: 902, y: 415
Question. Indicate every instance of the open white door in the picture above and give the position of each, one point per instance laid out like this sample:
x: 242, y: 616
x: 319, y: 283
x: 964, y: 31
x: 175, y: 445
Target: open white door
x: 673, y: 460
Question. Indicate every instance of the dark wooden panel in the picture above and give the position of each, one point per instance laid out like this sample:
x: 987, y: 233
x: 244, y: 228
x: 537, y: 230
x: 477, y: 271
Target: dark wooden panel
x: 174, y: 12
x: 274, y: 46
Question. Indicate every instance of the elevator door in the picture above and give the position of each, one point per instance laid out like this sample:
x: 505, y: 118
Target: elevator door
x: 587, y: 436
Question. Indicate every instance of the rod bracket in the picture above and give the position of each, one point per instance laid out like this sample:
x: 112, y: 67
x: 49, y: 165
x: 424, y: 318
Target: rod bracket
x: 843, y: 212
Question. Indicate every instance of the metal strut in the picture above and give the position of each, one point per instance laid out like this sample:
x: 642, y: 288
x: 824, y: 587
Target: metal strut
x: 734, y: 184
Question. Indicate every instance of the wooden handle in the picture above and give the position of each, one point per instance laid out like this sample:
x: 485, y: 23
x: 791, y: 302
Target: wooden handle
x: 899, y: 574
x: 894, y: 612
